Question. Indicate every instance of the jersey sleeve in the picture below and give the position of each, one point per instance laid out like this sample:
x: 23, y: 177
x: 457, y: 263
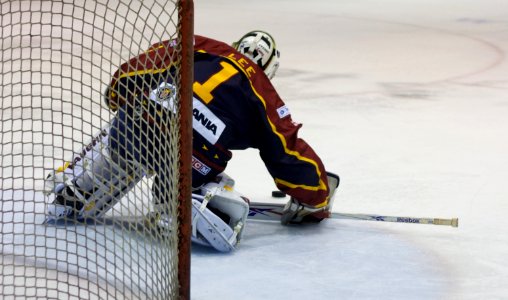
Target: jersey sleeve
x: 296, y: 168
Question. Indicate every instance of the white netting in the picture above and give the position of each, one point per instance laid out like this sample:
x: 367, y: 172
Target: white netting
x: 57, y: 58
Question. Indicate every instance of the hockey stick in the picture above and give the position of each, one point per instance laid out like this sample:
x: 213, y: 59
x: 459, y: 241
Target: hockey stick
x: 273, y: 212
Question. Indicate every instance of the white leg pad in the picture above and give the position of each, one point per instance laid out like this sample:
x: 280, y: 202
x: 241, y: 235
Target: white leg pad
x: 93, y: 178
x: 218, y: 217
x: 210, y: 230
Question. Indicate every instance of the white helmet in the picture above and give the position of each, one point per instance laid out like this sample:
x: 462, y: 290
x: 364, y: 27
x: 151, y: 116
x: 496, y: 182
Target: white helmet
x: 259, y: 46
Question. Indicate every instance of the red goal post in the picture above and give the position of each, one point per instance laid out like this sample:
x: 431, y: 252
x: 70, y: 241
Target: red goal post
x: 57, y: 59
x: 185, y: 207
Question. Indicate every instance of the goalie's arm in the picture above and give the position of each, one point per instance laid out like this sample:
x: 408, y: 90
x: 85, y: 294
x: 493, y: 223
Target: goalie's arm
x: 295, y: 167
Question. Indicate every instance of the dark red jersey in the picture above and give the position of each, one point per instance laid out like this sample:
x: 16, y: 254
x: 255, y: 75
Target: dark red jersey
x: 235, y: 107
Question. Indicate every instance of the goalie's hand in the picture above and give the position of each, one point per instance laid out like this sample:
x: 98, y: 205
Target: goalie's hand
x: 296, y: 213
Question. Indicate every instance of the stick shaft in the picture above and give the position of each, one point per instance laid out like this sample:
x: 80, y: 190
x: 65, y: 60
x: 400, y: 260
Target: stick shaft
x: 454, y: 222
x: 273, y: 212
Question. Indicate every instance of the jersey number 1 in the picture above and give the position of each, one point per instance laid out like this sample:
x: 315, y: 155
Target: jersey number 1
x: 204, y: 90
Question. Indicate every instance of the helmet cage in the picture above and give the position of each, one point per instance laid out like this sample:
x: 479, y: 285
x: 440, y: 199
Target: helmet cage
x: 259, y: 46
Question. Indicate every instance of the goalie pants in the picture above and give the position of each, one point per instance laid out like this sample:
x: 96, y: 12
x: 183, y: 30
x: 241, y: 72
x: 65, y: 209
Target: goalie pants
x: 136, y: 136
x: 134, y: 139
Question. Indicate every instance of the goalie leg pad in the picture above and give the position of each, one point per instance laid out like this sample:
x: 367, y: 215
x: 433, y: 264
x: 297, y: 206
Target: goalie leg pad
x: 218, y: 214
x: 208, y: 229
x: 218, y: 217
x: 227, y: 201
x: 219, y: 226
x: 92, y: 183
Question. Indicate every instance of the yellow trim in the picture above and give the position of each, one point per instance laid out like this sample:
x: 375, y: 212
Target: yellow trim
x: 90, y: 205
x: 63, y: 168
x: 140, y: 72
x: 135, y: 73
x: 321, y: 185
x: 306, y: 187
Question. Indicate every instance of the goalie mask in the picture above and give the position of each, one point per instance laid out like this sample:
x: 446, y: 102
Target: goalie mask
x: 259, y: 47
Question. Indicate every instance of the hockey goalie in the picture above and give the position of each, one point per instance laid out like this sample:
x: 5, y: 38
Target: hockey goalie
x: 235, y: 107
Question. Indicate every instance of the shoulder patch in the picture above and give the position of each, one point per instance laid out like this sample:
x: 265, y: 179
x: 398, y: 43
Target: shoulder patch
x: 283, y: 111
x: 164, y: 95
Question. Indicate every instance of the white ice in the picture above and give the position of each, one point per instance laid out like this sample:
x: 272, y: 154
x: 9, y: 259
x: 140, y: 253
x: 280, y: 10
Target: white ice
x: 408, y: 102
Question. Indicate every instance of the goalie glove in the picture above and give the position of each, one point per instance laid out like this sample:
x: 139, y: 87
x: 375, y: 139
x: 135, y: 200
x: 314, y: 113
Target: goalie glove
x: 294, y: 212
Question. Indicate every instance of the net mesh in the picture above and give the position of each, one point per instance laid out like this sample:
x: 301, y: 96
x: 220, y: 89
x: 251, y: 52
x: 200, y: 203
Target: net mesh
x: 57, y: 61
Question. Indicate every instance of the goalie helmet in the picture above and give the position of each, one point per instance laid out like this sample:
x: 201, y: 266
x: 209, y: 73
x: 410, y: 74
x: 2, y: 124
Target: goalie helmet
x: 259, y: 46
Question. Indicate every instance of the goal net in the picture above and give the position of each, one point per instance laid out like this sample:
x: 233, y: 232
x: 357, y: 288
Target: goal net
x: 58, y: 62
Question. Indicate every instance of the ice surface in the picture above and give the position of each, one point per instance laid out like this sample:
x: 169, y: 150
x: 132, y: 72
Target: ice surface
x: 407, y: 102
